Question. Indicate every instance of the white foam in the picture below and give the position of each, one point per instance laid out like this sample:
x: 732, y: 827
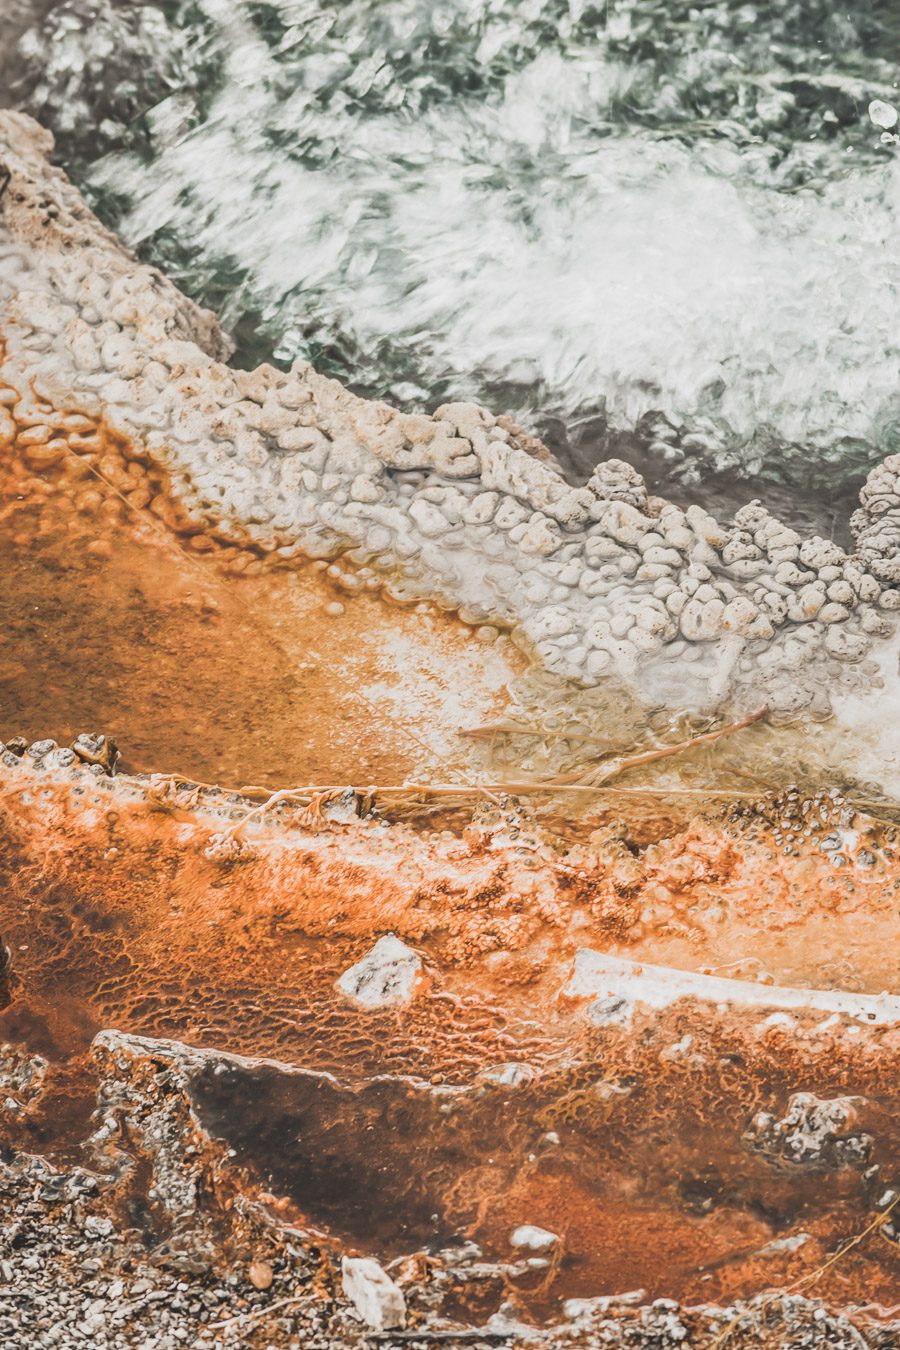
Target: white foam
x: 500, y: 239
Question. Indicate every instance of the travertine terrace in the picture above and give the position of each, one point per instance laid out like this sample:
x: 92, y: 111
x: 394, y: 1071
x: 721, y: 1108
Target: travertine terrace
x: 297, y: 973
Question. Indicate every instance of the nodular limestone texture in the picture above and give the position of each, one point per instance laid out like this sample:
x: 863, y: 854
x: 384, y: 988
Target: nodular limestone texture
x: 461, y: 507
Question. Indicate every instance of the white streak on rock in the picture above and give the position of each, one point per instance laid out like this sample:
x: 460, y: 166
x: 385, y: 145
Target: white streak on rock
x: 597, y: 979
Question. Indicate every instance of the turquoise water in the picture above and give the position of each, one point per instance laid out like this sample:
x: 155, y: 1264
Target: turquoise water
x: 656, y: 226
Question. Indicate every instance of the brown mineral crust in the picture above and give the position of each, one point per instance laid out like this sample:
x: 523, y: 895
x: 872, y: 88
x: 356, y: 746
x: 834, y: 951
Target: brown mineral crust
x: 116, y: 916
x: 131, y: 924
x: 631, y: 1241
x: 698, y: 1226
x: 88, y: 1254
x: 735, y: 902
x: 56, y: 1119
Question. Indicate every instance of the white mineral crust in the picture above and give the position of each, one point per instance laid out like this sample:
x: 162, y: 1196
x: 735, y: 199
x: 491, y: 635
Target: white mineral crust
x: 606, y: 983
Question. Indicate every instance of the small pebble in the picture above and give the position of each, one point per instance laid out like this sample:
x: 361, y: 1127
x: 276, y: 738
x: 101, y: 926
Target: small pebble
x: 883, y: 115
x: 260, y: 1274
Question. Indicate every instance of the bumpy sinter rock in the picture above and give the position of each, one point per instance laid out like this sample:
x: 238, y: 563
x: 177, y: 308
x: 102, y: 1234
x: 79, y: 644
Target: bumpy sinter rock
x: 459, y: 506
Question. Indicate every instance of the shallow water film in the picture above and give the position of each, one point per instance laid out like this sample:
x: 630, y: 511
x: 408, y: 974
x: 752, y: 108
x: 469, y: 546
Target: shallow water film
x: 583, y: 213
x: 449, y: 718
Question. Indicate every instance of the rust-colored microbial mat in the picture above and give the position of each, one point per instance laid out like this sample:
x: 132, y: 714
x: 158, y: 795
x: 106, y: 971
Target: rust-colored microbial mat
x: 204, y: 660
x: 693, y: 1150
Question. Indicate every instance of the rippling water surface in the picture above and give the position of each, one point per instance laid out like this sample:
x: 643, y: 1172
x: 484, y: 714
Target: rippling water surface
x: 644, y: 225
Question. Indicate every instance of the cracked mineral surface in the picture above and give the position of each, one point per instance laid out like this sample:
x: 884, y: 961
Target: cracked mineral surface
x: 368, y: 972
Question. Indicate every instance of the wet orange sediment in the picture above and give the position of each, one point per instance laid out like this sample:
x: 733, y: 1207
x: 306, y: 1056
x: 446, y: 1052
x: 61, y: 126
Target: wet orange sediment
x: 116, y: 916
x: 119, y: 905
x: 143, y: 887
x: 121, y: 615
x: 650, y: 1190
x: 202, y: 658
x: 733, y: 903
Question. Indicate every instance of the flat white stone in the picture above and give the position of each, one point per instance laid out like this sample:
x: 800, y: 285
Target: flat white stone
x: 603, y: 979
x: 528, y: 1237
x: 588, y: 1307
x: 374, y: 1295
x: 387, y: 976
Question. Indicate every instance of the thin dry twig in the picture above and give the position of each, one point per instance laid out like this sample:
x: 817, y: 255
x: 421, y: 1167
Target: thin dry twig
x: 490, y: 729
x: 612, y: 768
x: 410, y: 794
x: 253, y: 1313
x: 811, y: 1277
x: 462, y: 1337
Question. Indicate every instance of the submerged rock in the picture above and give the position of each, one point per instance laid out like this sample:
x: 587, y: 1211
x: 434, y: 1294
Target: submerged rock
x: 814, y: 1132
x: 528, y: 1237
x: 97, y: 750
